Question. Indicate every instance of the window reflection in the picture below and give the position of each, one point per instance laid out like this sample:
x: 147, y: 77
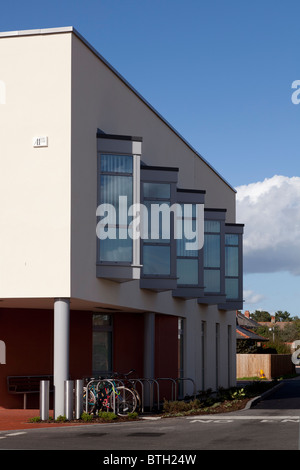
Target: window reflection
x: 156, y: 260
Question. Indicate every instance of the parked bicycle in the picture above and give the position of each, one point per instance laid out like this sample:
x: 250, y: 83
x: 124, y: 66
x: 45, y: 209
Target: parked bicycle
x: 129, y: 384
x: 104, y: 394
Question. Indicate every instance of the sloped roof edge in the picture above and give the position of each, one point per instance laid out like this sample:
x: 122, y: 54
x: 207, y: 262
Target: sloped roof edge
x: 71, y: 29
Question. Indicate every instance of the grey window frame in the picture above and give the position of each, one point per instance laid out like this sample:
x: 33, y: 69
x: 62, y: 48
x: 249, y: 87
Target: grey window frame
x: 209, y: 298
x: 163, y: 175
x: 119, y: 271
x: 185, y: 291
x: 235, y: 304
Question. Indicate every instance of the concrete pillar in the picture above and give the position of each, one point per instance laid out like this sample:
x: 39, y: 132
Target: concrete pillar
x: 61, y: 353
x: 149, y: 340
x: 149, y: 354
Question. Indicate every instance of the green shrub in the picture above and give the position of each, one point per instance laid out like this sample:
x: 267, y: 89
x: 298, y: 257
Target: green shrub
x: 181, y: 406
x: 175, y: 406
x: 133, y: 415
x: 107, y: 415
x: 35, y: 419
x: 238, y: 394
x: 86, y: 417
x: 60, y: 419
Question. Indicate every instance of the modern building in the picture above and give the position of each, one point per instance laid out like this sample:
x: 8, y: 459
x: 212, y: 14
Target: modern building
x: 75, y: 135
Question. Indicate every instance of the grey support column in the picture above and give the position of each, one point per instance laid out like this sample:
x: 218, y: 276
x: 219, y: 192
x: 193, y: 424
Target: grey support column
x: 61, y: 353
x: 149, y: 352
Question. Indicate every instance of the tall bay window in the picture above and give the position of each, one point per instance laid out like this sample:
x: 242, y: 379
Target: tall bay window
x: 189, y: 261
x: 158, y: 249
x: 116, y: 173
x: 213, y: 257
x: 232, y: 265
x: 118, y: 252
x: 233, y: 274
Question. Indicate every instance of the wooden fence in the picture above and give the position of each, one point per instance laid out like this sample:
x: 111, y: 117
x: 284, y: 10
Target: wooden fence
x: 272, y: 365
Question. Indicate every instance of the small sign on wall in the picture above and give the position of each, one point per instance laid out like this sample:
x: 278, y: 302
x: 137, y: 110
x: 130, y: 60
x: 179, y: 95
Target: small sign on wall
x: 40, y: 141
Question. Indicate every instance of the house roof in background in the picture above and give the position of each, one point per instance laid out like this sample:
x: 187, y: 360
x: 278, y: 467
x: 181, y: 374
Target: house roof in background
x: 244, y: 333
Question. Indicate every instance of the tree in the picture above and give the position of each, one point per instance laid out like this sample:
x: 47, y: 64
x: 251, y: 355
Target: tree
x: 282, y: 316
x: 260, y: 315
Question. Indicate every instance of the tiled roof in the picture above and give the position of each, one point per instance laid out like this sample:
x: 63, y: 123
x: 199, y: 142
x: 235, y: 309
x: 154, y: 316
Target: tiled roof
x: 244, y: 333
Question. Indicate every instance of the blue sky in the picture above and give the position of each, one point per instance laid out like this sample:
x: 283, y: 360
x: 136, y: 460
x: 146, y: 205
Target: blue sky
x: 220, y: 72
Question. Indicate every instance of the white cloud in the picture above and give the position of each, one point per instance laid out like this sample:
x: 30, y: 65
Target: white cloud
x: 270, y: 210
x: 251, y: 297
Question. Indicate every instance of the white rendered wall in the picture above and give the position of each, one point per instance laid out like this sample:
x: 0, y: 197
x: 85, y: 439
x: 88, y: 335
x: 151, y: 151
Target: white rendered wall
x: 35, y: 182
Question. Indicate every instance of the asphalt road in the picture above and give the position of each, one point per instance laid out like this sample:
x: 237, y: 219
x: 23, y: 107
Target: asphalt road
x: 272, y: 424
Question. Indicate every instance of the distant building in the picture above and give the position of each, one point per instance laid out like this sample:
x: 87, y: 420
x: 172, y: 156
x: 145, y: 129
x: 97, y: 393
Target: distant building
x: 245, y: 329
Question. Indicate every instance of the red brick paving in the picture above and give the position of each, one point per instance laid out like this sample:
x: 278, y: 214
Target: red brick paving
x: 19, y: 419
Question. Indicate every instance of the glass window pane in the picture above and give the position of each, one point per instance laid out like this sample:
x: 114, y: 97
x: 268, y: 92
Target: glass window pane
x: 116, y: 163
x: 101, y: 320
x: 156, y: 260
x: 231, y: 261
x: 159, y: 221
x: 212, y: 280
x: 102, y: 350
x: 212, y: 226
x: 187, y: 271
x: 157, y: 190
x: 212, y: 251
x: 232, y: 288
x: 114, y: 186
x: 182, y: 251
x: 231, y: 239
x: 116, y: 250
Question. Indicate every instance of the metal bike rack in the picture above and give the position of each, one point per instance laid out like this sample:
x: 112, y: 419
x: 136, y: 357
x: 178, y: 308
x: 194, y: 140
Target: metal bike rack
x: 134, y: 382
x: 150, y: 383
x: 173, y: 388
x: 87, y: 393
x: 187, y: 378
x: 146, y: 384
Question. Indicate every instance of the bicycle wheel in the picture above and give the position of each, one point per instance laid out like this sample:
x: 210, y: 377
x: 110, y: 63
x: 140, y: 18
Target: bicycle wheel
x: 138, y: 400
x: 89, y: 404
x: 125, y: 401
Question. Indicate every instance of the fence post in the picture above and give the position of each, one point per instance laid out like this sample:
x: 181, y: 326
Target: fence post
x: 44, y: 399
